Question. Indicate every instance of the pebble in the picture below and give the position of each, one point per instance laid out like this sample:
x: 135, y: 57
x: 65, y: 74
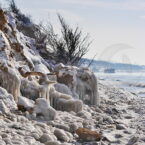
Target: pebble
x: 45, y: 137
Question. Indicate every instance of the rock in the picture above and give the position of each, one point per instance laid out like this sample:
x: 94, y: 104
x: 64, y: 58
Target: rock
x: 7, y: 99
x: 3, y: 107
x: 88, y: 135
x: 118, y: 135
x: 62, y: 126
x: 69, y: 135
x: 73, y: 127
x: 43, y: 108
x: 4, y: 135
x: 127, y: 131
x: 61, y: 135
x: 82, y: 80
x: 68, y: 105
x: 62, y: 88
x: 52, y: 143
x: 45, y: 137
x: 120, y: 126
x: 2, y: 142
x: 66, y: 144
x: 108, y: 119
x: 109, y: 111
x: 25, y: 103
x: 7, y: 140
x: 103, y: 143
x: 133, y: 140
x: 109, y: 137
x: 97, y: 109
x: 22, y: 119
x: 84, y: 114
x: 36, y: 136
x: 88, y: 124
x: 128, y: 117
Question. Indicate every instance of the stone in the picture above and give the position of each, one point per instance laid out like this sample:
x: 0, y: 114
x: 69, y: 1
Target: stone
x: 109, y: 137
x: 97, y: 109
x: 84, y: 114
x: 68, y: 105
x: 43, y: 108
x: 45, y: 137
x: 73, y: 127
x: 3, y: 107
x: 108, y: 119
x: 88, y: 135
x: 120, y: 126
x: 61, y: 135
x: 133, y: 140
x: 7, y: 99
x: 25, y: 104
x: 52, y: 143
x: 81, y: 81
x: 63, y: 126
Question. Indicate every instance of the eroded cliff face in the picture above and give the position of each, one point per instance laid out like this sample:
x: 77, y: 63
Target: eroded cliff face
x: 25, y: 73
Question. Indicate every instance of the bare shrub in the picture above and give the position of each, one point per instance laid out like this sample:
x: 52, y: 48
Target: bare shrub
x: 68, y: 48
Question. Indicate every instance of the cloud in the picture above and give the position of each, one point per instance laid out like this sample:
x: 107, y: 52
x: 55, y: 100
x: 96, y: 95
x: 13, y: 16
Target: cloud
x: 124, y: 4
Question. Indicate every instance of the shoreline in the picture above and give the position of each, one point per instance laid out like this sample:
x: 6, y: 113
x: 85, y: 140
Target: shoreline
x: 132, y: 108
x: 120, y: 120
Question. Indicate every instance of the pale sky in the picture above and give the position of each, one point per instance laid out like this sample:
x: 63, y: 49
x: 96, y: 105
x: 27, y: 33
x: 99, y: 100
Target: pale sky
x: 117, y: 27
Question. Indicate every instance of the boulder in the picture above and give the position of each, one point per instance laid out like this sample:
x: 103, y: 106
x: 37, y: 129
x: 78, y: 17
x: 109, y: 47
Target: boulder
x: 81, y: 81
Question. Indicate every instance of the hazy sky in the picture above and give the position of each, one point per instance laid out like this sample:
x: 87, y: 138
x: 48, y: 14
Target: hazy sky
x: 117, y: 27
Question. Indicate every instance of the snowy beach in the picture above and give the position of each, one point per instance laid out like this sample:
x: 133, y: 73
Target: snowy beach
x: 44, y: 101
x: 120, y: 120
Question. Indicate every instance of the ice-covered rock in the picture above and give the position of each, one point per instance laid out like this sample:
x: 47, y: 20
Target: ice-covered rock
x: 62, y: 88
x: 43, y: 108
x: 3, y: 107
x: 81, y: 81
x: 7, y: 100
x: 68, y: 105
x: 25, y: 103
x: 10, y: 80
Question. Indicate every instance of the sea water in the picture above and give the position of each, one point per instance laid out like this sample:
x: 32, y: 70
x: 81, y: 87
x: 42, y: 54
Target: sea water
x: 132, y: 81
